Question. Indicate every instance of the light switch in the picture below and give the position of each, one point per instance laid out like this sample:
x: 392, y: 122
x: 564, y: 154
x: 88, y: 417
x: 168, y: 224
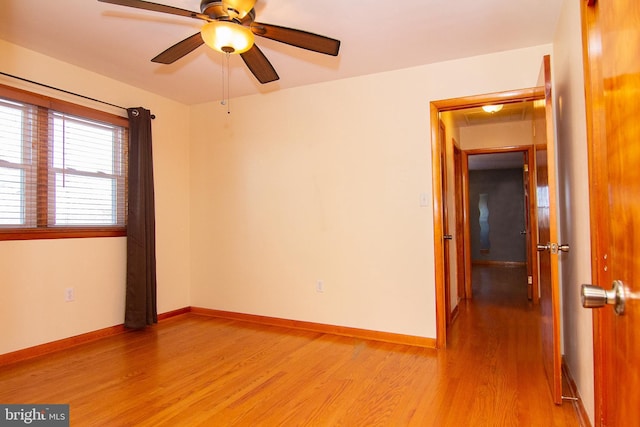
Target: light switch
x: 424, y: 200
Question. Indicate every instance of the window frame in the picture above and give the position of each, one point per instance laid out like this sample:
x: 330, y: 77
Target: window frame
x: 42, y: 230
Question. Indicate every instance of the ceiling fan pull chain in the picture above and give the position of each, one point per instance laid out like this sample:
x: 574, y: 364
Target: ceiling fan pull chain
x: 225, y: 83
x: 224, y: 97
x: 228, y: 55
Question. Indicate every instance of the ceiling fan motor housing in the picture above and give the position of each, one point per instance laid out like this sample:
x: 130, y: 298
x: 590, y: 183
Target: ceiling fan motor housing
x: 240, y: 11
x: 213, y: 8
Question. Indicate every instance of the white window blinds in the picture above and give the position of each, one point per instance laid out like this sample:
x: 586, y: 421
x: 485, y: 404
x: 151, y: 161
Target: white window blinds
x: 59, y: 169
x: 86, y: 180
x: 18, y: 164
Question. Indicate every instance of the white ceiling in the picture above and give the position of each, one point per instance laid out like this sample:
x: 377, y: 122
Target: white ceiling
x: 512, y: 112
x: 376, y: 36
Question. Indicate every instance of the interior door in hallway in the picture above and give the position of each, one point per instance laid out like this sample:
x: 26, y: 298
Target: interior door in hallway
x: 611, y: 35
x: 447, y: 237
x: 544, y: 145
x: 459, y: 195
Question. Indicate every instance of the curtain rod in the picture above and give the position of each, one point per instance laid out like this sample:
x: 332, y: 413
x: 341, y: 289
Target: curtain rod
x: 66, y: 91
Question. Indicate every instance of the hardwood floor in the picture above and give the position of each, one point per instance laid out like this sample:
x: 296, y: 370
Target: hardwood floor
x: 196, y: 370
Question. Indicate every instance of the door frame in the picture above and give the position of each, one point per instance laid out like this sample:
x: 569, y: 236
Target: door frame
x: 435, y: 107
x: 530, y: 212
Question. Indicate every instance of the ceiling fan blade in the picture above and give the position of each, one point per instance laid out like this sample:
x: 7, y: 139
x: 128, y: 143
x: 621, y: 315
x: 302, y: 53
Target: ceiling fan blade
x: 259, y: 65
x: 155, y: 7
x: 179, y: 49
x: 298, y: 38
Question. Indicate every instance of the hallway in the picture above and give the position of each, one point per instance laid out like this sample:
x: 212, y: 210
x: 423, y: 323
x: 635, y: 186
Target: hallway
x: 497, y: 333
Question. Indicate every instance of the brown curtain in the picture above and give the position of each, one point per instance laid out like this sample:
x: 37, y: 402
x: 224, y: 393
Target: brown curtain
x: 140, y: 304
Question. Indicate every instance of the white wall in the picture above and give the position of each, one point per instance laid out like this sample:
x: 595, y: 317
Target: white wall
x: 33, y: 309
x: 322, y: 183
x: 573, y: 194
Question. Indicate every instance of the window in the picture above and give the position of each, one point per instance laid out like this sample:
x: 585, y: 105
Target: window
x: 62, y: 168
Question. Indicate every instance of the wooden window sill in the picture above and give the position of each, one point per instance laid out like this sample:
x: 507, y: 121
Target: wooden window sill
x: 61, y: 233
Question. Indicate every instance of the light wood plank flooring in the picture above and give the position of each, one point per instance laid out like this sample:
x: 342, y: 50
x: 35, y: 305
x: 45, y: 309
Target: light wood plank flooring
x: 195, y: 370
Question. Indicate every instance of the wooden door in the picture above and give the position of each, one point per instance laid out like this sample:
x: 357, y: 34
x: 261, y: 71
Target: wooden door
x: 611, y: 37
x: 459, y: 195
x: 548, y: 235
x: 445, y: 223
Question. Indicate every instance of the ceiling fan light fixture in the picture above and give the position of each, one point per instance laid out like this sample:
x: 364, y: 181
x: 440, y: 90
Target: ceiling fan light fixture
x: 492, y: 108
x: 227, y: 37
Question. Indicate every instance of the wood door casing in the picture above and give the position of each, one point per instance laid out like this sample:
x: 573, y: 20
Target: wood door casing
x: 527, y: 179
x: 529, y: 200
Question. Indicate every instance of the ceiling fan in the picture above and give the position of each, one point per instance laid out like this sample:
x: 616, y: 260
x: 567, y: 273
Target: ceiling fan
x: 230, y: 28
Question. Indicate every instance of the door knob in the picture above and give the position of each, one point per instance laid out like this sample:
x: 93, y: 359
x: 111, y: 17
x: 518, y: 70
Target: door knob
x: 447, y: 237
x: 553, y: 247
x: 594, y: 296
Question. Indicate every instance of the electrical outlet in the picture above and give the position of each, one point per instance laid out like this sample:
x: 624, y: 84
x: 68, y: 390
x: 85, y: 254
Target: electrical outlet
x: 319, y: 286
x: 69, y: 295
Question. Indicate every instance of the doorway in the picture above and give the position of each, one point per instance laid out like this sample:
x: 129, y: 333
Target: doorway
x: 467, y: 109
x: 500, y: 212
x: 544, y: 230
x: 496, y: 208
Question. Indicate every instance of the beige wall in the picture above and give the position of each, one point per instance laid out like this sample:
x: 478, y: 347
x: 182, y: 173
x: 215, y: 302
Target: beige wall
x: 495, y: 135
x: 573, y: 194
x: 36, y: 273
x: 323, y: 182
